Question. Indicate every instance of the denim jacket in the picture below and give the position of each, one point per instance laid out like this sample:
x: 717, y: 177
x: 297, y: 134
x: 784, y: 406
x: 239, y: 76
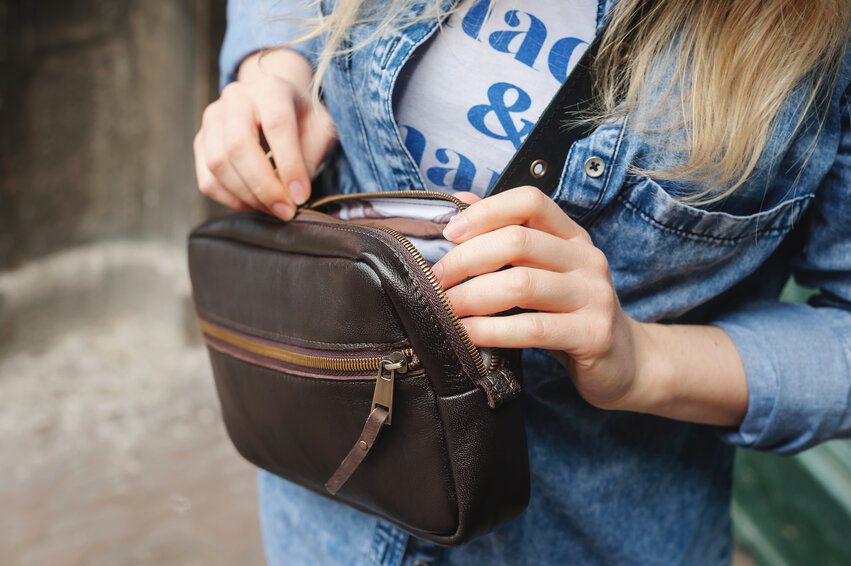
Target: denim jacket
x: 613, y: 487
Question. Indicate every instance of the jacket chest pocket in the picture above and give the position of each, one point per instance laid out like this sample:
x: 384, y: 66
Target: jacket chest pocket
x: 660, y: 247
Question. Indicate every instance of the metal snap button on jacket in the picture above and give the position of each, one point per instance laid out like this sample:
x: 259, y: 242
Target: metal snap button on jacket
x: 594, y: 166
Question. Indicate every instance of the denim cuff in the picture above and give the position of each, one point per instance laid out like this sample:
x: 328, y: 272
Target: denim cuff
x: 796, y: 361
x: 253, y: 25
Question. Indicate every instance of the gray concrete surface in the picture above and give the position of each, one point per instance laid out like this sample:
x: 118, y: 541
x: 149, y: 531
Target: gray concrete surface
x: 113, y: 451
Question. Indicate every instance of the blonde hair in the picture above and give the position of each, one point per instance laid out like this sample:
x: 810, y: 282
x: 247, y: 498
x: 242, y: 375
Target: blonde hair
x: 733, y: 62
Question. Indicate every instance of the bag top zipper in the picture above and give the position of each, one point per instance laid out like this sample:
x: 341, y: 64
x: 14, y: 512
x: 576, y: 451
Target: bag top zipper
x: 322, y: 201
x: 481, y: 367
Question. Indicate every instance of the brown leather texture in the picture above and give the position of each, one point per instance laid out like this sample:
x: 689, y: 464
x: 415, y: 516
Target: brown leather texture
x: 449, y: 467
x: 371, y: 429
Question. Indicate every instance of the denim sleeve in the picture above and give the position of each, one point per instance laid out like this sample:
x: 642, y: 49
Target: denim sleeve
x: 798, y: 357
x: 258, y: 24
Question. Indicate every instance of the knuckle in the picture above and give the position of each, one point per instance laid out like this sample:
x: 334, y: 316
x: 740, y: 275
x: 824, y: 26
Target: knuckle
x: 209, y: 113
x: 517, y: 238
x: 607, y: 299
x: 285, y: 88
x: 520, y: 283
x: 216, y: 163
x: 278, y: 121
x: 533, y: 198
x: 584, y: 235
x: 231, y: 90
x: 236, y: 145
x: 274, y: 85
x: 597, y: 260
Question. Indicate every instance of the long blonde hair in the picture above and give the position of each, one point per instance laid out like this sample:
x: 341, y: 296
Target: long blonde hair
x: 735, y: 63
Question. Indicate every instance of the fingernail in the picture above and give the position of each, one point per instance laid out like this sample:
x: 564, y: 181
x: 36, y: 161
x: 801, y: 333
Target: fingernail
x: 456, y: 227
x: 437, y: 269
x: 299, y: 193
x: 283, y: 210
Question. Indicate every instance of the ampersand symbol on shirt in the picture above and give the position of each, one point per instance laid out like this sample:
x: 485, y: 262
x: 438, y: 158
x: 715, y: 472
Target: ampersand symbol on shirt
x: 498, y: 96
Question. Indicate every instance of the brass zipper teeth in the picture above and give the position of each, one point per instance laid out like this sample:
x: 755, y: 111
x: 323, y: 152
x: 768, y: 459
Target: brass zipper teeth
x: 465, y: 338
x: 478, y: 360
x: 325, y: 363
x: 386, y: 194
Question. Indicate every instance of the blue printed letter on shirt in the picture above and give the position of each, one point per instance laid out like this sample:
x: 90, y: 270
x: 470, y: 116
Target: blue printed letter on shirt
x: 464, y: 172
x: 560, y: 56
x: 502, y: 110
x: 530, y: 45
x: 475, y: 18
x: 415, y: 142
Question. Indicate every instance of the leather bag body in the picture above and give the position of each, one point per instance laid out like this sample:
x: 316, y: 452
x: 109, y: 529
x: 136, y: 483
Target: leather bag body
x: 298, y: 318
x: 341, y: 366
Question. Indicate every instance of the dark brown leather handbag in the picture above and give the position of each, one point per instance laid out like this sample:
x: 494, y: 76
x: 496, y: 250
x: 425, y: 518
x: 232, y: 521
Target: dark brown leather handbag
x: 341, y: 366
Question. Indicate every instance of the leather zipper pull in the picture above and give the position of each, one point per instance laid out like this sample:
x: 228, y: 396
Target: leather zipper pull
x: 379, y: 415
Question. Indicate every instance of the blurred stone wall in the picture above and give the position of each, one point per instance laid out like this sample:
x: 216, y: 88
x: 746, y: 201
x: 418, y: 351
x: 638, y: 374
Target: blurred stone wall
x: 99, y: 102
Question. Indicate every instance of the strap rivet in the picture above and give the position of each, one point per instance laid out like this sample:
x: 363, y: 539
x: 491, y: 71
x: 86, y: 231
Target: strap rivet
x: 538, y: 168
x: 363, y: 445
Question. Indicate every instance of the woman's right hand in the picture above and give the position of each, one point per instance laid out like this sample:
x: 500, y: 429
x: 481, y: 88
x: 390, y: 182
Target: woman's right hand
x: 231, y: 165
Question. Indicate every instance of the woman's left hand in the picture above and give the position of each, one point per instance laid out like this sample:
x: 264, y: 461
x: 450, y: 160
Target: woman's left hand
x: 553, y: 268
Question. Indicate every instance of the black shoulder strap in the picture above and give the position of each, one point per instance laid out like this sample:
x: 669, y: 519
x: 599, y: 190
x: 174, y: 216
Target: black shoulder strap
x: 541, y: 157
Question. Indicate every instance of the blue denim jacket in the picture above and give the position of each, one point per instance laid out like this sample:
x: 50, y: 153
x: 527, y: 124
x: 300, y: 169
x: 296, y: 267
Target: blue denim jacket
x: 614, y: 487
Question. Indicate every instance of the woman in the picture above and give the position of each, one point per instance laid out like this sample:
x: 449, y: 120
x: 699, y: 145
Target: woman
x: 720, y: 165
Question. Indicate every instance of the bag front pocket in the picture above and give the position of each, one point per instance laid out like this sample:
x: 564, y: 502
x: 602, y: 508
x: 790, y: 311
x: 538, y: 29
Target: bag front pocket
x: 299, y: 413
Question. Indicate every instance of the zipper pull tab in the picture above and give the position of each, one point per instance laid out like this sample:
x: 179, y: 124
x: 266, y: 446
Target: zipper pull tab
x: 383, y: 396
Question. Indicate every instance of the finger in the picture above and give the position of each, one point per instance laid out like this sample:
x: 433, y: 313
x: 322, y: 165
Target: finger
x: 317, y: 136
x: 242, y: 141
x: 212, y: 189
x: 207, y: 183
x: 530, y: 330
x: 511, y: 245
x: 279, y: 120
x: 523, y: 205
x: 217, y: 162
x: 467, y: 196
x: 522, y: 287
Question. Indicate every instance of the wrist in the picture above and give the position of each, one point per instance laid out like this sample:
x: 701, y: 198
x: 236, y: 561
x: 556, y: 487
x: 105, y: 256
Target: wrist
x: 653, y: 380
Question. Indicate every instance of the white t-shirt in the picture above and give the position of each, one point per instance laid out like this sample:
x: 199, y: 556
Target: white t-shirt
x: 469, y: 97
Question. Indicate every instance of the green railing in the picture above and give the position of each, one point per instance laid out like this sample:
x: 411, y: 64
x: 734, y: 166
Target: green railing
x: 795, y: 510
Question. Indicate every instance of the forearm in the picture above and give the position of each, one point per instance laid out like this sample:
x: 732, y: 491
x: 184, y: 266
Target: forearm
x: 686, y: 372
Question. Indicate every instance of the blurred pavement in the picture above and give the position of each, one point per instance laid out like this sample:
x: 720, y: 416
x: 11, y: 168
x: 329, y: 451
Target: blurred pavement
x: 113, y: 449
